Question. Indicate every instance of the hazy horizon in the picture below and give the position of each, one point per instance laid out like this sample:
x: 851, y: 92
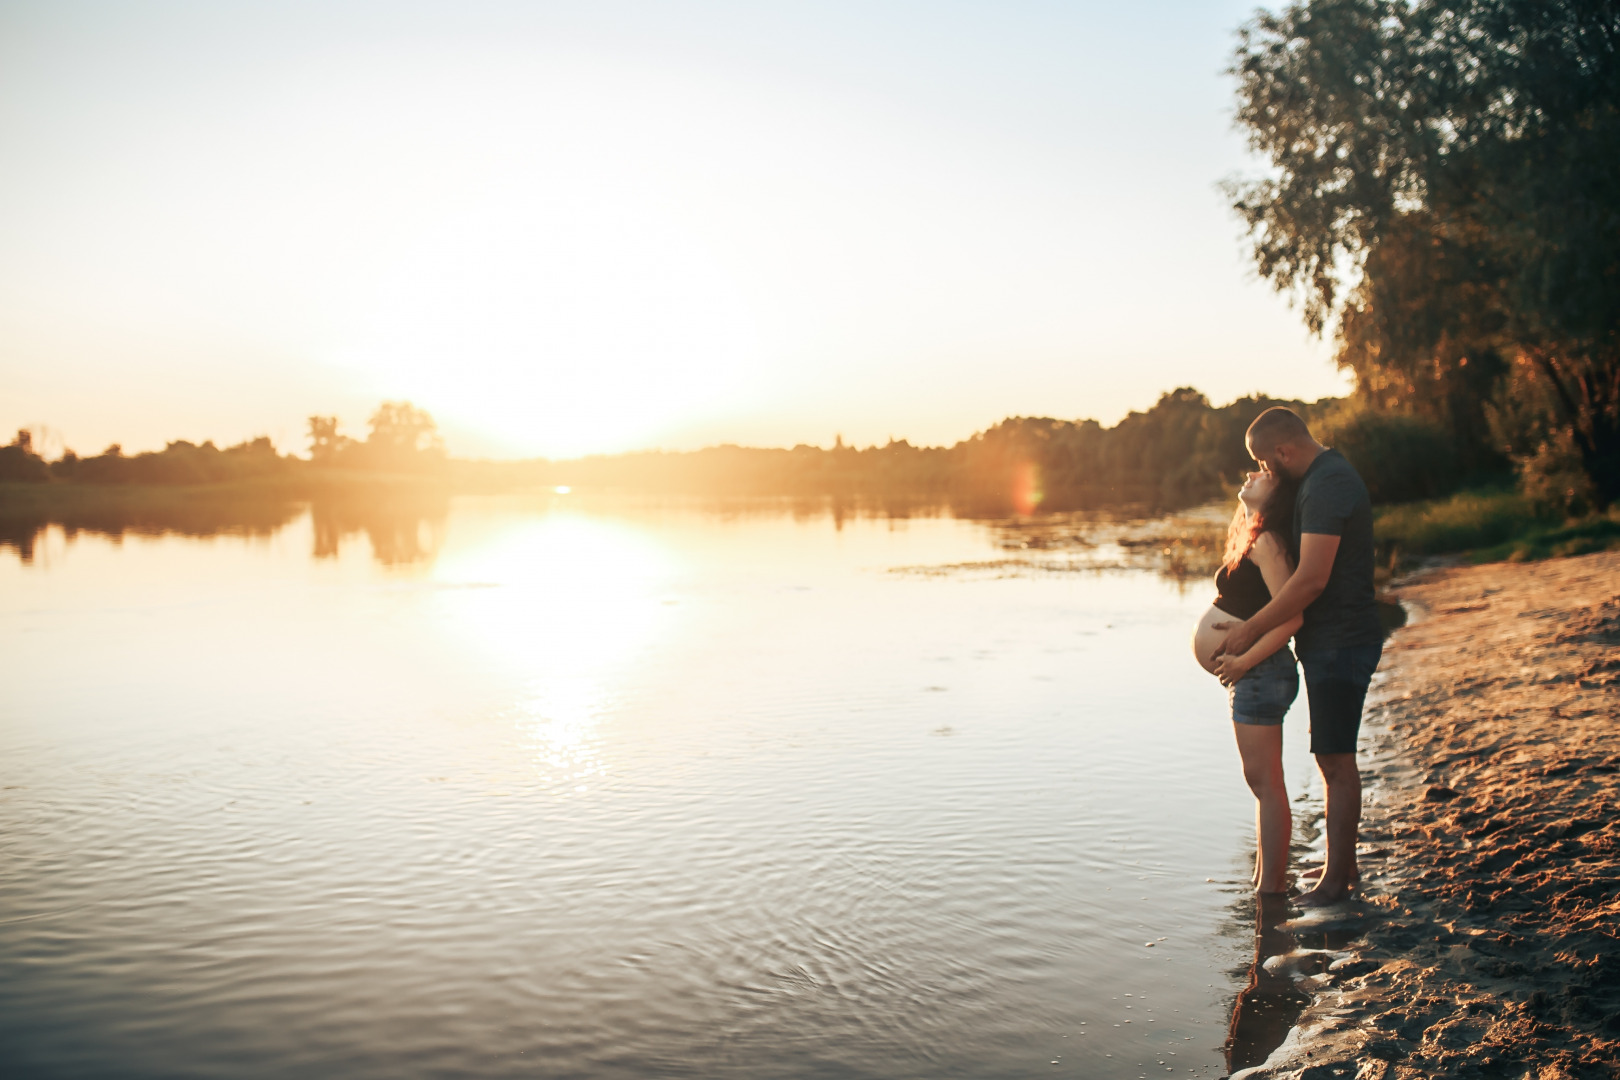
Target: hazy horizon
x: 357, y: 431
x: 569, y: 230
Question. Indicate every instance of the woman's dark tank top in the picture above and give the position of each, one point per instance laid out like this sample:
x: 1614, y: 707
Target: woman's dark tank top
x: 1242, y: 592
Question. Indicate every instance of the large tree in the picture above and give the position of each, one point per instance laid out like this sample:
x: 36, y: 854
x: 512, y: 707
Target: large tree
x: 401, y: 433
x: 1445, y: 187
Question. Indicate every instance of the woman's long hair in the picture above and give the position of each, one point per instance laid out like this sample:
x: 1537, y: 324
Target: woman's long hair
x: 1276, y: 515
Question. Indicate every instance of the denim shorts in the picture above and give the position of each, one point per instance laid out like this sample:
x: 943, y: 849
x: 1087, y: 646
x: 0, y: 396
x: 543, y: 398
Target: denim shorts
x: 1336, y: 683
x: 1263, y: 695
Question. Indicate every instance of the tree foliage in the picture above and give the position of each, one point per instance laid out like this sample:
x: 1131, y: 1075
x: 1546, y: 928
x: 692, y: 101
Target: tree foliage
x: 19, y: 463
x: 1444, y: 185
x: 1180, y: 452
x: 179, y: 462
x: 1401, y: 457
x: 324, y: 440
x: 400, y: 432
x: 403, y: 439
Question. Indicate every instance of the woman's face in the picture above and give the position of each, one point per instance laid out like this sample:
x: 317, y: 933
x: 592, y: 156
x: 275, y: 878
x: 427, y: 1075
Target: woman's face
x: 1257, y: 488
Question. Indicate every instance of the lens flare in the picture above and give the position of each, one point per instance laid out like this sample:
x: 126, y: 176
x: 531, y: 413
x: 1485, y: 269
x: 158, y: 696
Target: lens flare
x: 1027, y: 494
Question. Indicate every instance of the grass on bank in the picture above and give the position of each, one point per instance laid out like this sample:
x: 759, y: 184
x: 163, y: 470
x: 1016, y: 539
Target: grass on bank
x: 1489, y: 526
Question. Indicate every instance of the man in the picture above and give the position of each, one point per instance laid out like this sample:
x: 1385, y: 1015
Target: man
x: 1340, y: 640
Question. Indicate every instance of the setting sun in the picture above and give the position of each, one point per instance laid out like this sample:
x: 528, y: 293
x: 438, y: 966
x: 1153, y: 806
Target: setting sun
x: 560, y: 238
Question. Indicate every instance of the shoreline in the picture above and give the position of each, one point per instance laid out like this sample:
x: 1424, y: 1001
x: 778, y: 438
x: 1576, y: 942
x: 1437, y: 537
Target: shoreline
x: 1484, y: 938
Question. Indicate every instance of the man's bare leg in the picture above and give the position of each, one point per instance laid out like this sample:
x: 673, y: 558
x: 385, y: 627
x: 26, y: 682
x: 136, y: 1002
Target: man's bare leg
x: 1342, y: 779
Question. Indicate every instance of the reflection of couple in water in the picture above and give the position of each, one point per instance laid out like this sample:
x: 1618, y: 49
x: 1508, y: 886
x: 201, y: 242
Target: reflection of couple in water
x: 1299, y: 563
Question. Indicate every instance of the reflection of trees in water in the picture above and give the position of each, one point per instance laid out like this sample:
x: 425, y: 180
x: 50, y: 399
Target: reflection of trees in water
x: 802, y: 508
x: 401, y: 530
x: 140, y: 514
x: 1184, y: 547
x: 405, y: 525
x: 21, y: 536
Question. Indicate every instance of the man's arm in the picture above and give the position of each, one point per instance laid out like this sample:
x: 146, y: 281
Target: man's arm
x: 1230, y: 667
x: 1277, y: 568
x: 1316, y: 553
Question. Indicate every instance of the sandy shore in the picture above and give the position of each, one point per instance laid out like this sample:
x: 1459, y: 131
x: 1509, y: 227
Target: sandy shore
x: 1484, y: 942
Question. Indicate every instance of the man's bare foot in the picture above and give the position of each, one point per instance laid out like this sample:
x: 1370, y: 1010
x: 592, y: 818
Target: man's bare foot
x: 1324, y: 896
x: 1311, y: 875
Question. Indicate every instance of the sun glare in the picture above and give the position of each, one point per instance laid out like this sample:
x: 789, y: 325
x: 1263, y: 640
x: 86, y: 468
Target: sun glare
x: 569, y: 601
x: 560, y: 337
x: 563, y: 288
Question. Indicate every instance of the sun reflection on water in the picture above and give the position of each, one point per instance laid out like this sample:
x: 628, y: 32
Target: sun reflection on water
x: 577, y: 599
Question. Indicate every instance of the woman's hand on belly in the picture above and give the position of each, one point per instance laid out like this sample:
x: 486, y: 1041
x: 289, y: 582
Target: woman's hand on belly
x: 1206, y: 639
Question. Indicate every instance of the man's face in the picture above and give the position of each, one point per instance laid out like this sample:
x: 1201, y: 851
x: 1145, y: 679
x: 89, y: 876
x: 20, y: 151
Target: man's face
x: 1270, y: 459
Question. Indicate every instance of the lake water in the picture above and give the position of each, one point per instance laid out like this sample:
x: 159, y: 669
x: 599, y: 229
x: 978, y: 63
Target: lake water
x: 548, y: 787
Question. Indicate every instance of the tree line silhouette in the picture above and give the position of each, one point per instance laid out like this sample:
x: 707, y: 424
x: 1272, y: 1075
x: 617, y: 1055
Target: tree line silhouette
x: 403, y: 440
x: 1181, y: 451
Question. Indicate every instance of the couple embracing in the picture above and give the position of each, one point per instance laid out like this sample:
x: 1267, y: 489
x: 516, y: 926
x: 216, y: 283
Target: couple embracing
x: 1298, y: 564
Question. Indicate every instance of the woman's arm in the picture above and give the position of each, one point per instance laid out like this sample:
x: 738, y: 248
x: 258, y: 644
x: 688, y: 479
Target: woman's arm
x: 1276, y: 568
x: 1232, y: 668
x: 1316, y: 555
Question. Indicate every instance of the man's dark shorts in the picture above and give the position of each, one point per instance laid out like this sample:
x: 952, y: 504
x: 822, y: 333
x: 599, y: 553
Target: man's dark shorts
x: 1336, y: 685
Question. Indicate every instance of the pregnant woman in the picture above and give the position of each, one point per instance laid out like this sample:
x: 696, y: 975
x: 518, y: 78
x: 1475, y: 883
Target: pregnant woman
x: 1262, y: 682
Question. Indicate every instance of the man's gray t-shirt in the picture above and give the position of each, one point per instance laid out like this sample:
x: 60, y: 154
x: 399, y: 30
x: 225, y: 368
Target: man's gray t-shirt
x: 1333, y: 501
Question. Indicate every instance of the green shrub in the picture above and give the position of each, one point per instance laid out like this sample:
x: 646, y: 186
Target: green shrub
x: 1552, y: 478
x: 1400, y: 458
x: 1489, y: 527
x: 1598, y: 532
x: 1463, y: 522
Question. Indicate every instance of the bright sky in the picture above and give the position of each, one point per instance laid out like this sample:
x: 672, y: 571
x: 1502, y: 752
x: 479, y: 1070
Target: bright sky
x: 596, y: 226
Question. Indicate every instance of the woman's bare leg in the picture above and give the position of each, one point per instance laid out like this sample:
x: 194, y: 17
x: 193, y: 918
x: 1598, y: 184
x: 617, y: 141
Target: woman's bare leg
x: 1260, y: 747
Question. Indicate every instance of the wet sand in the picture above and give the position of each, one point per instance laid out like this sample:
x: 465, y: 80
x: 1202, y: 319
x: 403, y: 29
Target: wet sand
x: 1484, y: 941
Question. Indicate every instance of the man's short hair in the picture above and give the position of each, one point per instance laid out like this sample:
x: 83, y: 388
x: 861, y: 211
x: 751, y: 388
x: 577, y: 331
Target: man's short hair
x: 1274, y: 426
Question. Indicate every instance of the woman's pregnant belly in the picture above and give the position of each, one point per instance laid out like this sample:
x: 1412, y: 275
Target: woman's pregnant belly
x: 1206, y: 638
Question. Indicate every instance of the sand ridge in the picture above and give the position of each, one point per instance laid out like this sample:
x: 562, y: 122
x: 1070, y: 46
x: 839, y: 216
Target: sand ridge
x: 1486, y: 931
